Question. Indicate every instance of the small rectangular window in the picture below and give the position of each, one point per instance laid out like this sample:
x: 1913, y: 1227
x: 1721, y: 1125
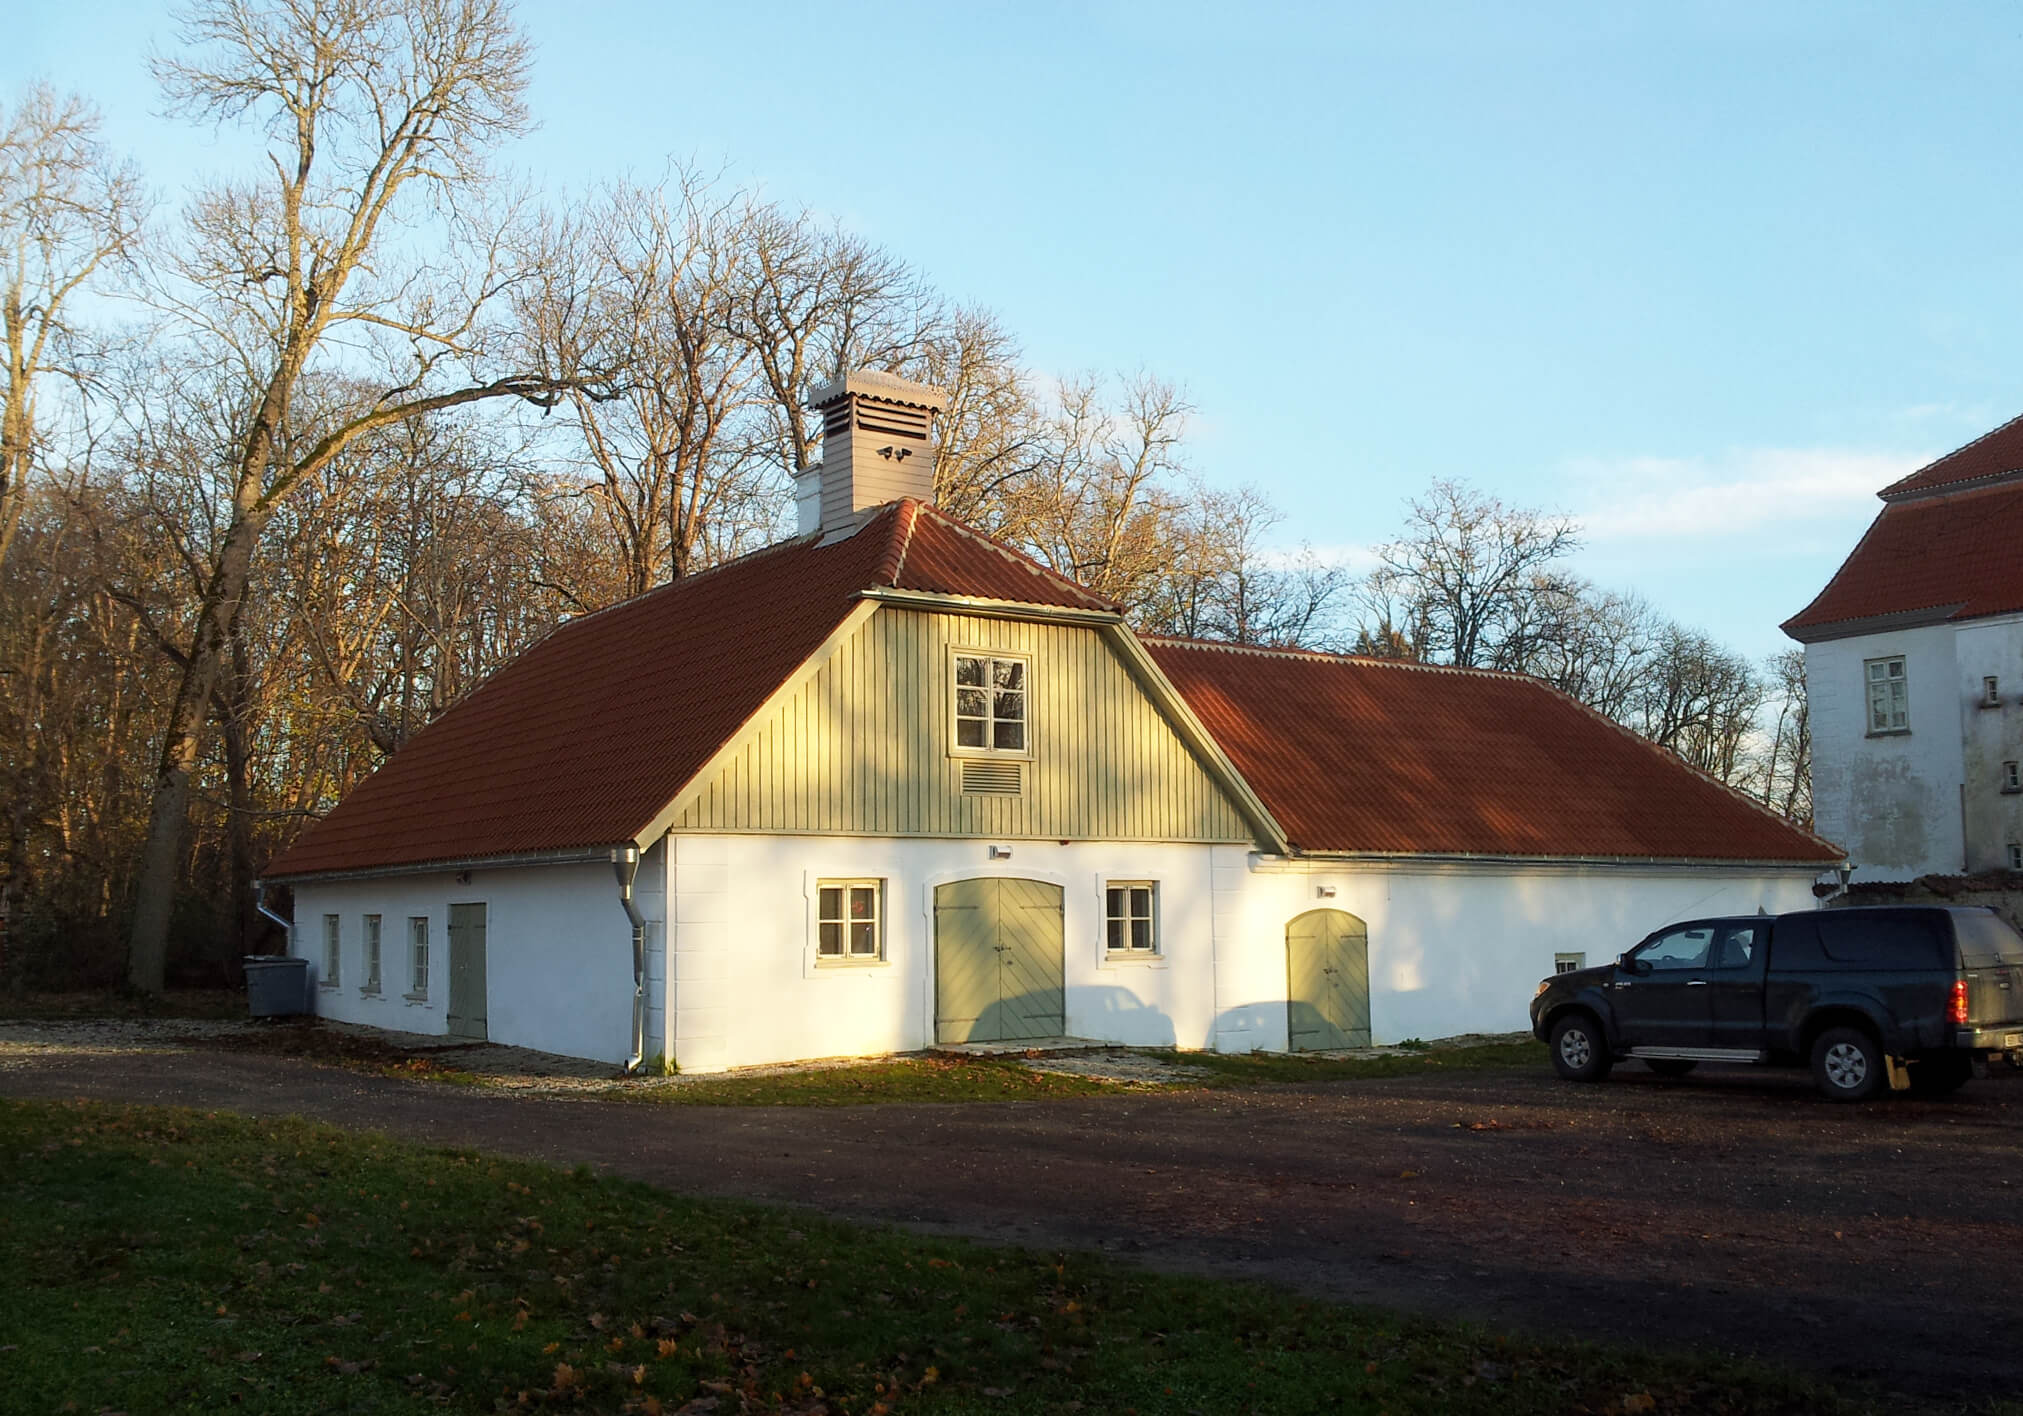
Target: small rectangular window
x: 333, y: 951
x: 2011, y: 781
x: 417, y: 956
x: 371, y: 984
x: 990, y: 703
x: 2015, y: 856
x: 1889, y: 696
x: 1130, y: 917
x: 849, y: 921
x: 1568, y: 963
x: 1991, y: 690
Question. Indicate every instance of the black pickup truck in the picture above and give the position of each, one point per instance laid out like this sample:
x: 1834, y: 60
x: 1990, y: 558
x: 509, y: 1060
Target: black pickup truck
x: 1909, y: 997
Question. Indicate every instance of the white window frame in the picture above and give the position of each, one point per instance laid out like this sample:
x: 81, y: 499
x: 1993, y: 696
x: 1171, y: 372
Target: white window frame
x: 1991, y: 691
x: 989, y: 656
x: 418, y: 961
x: 1877, y: 683
x: 1129, y: 918
x: 2016, y: 855
x: 333, y: 950
x: 369, y: 934
x: 845, y: 922
x: 1568, y: 963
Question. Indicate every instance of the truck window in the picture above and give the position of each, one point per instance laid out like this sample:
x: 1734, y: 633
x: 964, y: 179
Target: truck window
x: 1987, y: 941
x: 1734, y: 947
x: 1678, y: 949
x: 1881, y: 941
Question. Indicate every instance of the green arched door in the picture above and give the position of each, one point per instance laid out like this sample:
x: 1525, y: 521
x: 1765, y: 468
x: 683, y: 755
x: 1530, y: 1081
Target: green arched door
x: 1327, y: 967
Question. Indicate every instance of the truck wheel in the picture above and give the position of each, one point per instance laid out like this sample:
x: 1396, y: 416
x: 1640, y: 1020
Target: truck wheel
x: 1670, y: 1066
x: 1848, y: 1065
x: 1579, y: 1051
x: 1941, y: 1075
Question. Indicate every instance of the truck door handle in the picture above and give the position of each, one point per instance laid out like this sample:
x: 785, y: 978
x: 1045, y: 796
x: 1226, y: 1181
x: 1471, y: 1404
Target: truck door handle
x: 1696, y: 983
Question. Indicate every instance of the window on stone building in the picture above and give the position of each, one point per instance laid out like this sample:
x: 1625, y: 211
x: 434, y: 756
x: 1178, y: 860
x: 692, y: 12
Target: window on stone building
x: 1889, y: 696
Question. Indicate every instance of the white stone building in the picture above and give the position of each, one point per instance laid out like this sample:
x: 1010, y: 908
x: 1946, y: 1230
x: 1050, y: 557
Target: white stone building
x: 890, y: 785
x: 1914, y: 673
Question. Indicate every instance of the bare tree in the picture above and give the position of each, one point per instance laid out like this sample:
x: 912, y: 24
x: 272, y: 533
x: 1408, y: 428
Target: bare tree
x: 66, y: 210
x: 1786, y: 783
x: 376, y: 113
x: 1468, y: 581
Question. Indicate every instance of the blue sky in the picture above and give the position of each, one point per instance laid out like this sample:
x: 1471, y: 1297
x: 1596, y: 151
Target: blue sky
x: 1703, y: 276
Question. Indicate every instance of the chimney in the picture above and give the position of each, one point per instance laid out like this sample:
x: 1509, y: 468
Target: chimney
x: 875, y: 449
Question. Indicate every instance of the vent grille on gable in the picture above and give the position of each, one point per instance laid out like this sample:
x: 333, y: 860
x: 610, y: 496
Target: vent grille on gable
x: 892, y: 419
x: 991, y: 778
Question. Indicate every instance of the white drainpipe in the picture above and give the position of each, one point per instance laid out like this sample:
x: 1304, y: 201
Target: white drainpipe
x: 625, y: 860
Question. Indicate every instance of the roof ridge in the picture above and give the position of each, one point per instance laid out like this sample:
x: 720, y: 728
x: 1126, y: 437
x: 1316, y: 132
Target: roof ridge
x: 1947, y: 457
x: 909, y: 518
x: 1019, y: 558
x: 1375, y: 661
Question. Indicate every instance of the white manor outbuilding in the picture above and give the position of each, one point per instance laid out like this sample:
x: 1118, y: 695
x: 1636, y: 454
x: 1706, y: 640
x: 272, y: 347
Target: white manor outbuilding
x: 890, y: 785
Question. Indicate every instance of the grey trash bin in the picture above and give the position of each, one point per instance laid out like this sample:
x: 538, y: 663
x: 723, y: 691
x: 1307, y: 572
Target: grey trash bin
x: 276, y: 986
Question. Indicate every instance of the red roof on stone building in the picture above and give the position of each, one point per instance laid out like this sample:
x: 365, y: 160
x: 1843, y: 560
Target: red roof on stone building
x: 1375, y: 756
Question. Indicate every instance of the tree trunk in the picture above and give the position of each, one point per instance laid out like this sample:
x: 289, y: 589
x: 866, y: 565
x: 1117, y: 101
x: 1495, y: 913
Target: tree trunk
x: 182, y: 747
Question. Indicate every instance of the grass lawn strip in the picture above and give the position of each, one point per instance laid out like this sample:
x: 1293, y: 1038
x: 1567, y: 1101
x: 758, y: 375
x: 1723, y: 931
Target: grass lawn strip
x: 165, y: 1260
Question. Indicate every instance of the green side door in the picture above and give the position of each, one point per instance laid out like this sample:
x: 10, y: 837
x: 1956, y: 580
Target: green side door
x: 467, y: 972
x: 1327, y: 965
x: 999, y: 961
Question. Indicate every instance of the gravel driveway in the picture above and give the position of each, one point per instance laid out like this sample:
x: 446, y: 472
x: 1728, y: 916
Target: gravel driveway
x: 1733, y: 1210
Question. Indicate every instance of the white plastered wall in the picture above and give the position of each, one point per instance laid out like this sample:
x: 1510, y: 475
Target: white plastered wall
x: 747, y: 987
x: 1454, y: 949
x: 558, y: 953
x: 1892, y: 802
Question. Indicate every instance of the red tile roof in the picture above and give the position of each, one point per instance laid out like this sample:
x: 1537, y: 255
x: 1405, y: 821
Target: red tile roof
x: 581, y: 741
x: 1944, y: 556
x: 1371, y: 755
x: 1993, y: 454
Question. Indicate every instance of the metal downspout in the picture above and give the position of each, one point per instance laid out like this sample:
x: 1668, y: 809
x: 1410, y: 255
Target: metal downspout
x: 260, y: 904
x: 625, y: 861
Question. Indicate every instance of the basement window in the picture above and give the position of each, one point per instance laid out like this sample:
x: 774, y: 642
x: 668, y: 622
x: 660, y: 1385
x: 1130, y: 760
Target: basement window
x: 371, y: 984
x: 333, y: 950
x: 990, y: 704
x: 849, y: 921
x: 1889, y: 696
x: 1131, y: 918
x: 417, y: 957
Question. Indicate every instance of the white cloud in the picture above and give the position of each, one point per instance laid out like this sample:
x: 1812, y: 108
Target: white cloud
x: 1745, y: 489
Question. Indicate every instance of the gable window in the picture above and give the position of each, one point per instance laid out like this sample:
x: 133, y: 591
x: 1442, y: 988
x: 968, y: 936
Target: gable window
x: 2012, y: 777
x: 1889, y: 696
x: 333, y: 951
x: 1991, y: 692
x: 371, y: 984
x: 417, y: 956
x: 1130, y: 919
x: 849, y: 921
x: 990, y: 703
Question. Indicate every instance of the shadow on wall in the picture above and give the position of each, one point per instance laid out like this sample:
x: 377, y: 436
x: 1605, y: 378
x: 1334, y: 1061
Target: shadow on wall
x: 1099, y: 1012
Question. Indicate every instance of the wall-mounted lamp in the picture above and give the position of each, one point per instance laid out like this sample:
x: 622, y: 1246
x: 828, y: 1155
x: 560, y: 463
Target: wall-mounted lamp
x: 463, y: 877
x: 1000, y: 852
x: 1324, y: 892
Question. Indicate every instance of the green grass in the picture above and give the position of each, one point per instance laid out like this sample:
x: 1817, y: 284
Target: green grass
x: 903, y: 1079
x: 1258, y: 1068
x: 167, y: 1261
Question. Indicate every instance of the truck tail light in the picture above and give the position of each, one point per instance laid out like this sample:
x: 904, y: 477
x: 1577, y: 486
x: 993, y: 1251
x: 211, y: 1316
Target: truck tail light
x: 1958, y: 1012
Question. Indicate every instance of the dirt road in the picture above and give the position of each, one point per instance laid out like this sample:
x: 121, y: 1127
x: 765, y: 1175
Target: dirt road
x: 1732, y: 1210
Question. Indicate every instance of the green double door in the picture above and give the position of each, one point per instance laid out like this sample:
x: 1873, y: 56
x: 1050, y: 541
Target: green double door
x: 1327, y: 965
x: 999, y: 961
